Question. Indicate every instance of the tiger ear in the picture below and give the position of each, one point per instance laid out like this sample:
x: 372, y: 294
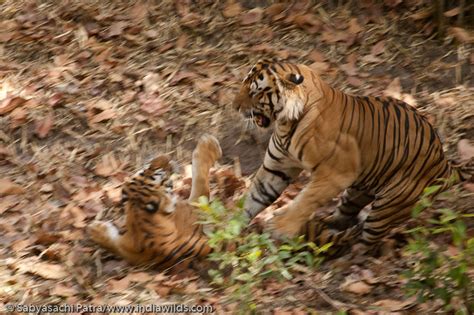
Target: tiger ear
x: 295, y: 78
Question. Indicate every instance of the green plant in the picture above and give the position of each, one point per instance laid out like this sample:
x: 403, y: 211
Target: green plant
x: 245, y: 260
x: 442, y: 271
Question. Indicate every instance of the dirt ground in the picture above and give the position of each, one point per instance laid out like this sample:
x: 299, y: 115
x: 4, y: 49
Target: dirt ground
x: 92, y: 90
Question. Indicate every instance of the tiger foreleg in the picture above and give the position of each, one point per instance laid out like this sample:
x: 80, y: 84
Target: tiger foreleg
x: 266, y: 187
x: 105, y: 234
x: 206, y: 153
x: 324, y: 185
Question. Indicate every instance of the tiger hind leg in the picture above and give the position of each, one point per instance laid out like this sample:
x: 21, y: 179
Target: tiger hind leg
x: 351, y: 203
x: 206, y: 153
x: 382, y: 219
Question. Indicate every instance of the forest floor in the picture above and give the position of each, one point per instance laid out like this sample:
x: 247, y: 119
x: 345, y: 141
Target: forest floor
x: 92, y: 90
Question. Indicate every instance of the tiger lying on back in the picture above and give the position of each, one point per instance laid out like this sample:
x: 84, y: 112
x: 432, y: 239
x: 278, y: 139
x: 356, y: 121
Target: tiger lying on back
x: 161, y: 230
x: 379, y: 151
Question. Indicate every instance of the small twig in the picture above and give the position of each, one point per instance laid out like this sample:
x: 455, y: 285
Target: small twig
x: 337, y: 305
x: 462, y: 6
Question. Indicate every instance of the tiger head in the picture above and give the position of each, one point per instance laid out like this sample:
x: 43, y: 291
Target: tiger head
x: 272, y: 91
x: 148, y: 195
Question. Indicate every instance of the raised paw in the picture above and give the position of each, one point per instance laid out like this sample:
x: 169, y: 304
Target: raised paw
x: 208, y: 149
x: 284, y: 225
x: 103, y: 233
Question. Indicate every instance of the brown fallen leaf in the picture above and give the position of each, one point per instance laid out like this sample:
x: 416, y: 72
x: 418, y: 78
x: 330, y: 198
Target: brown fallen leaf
x: 114, y: 194
x: 279, y: 311
x: 468, y: 186
x: 378, y: 48
x: 8, y: 202
x: 191, y: 20
x: 46, y: 238
x: 392, y: 3
x: 276, y: 9
x: 107, y: 166
x: 10, y: 103
x: 232, y: 9
x: 333, y: 36
x: 452, y: 12
x: 251, y: 17
x: 465, y: 150
x: 43, y: 126
x: 461, y: 34
x: 7, y: 187
x: 139, y: 11
x: 102, y: 116
x: 354, y: 27
x: 349, y: 68
x: 6, y: 36
x: 63, y: 290
x: 205, y: 86
x: 55, y: 99
x: 316, y: 56
x: 182, y: 75
x: 140, y: 277
x: 354, y: 81
x: 47, y: 270
x: 308, y: 22
x: 262, y: 48
x: 181, y: 41
x: 153, y: 105
x: 421, y: 15
x: 319, y: 67
x: 18, y: 117
x: 395, y: 305
x: 79, y: 217
x: 118, y: 286
x: 371, y: 59
x: 151, y: 82
x: 357, y: 287
x: 117, y: 28
x: 19, y: 245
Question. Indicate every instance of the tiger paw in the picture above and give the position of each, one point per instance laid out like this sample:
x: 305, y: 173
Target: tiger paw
x: 283, y: 225
x: 103, y: 233
x: 208, y: 149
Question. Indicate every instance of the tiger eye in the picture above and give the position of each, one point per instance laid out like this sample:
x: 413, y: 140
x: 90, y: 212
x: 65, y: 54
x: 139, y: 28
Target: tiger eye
x: 152, y: 206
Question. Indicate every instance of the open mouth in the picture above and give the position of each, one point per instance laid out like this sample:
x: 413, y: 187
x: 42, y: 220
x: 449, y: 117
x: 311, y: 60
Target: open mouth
x: 260, y: 119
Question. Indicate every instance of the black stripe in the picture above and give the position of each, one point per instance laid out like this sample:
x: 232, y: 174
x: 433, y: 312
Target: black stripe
x: 263, y: 192
x: 280, y: 174
x: 176, y: 250
x: 272, y: 156
x: 263, y: 203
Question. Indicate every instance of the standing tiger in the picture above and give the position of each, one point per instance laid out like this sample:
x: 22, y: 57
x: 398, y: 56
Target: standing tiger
x: 161, y: 230
x: 379, y: 151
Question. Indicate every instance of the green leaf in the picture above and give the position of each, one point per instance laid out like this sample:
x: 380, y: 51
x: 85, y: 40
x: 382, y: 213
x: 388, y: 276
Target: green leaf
x: 428, y: 191
x: 284, y: 272
x: 324, y: 248
x: 254, y: 255
x: 244, y: 277
x: 417, y: 209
